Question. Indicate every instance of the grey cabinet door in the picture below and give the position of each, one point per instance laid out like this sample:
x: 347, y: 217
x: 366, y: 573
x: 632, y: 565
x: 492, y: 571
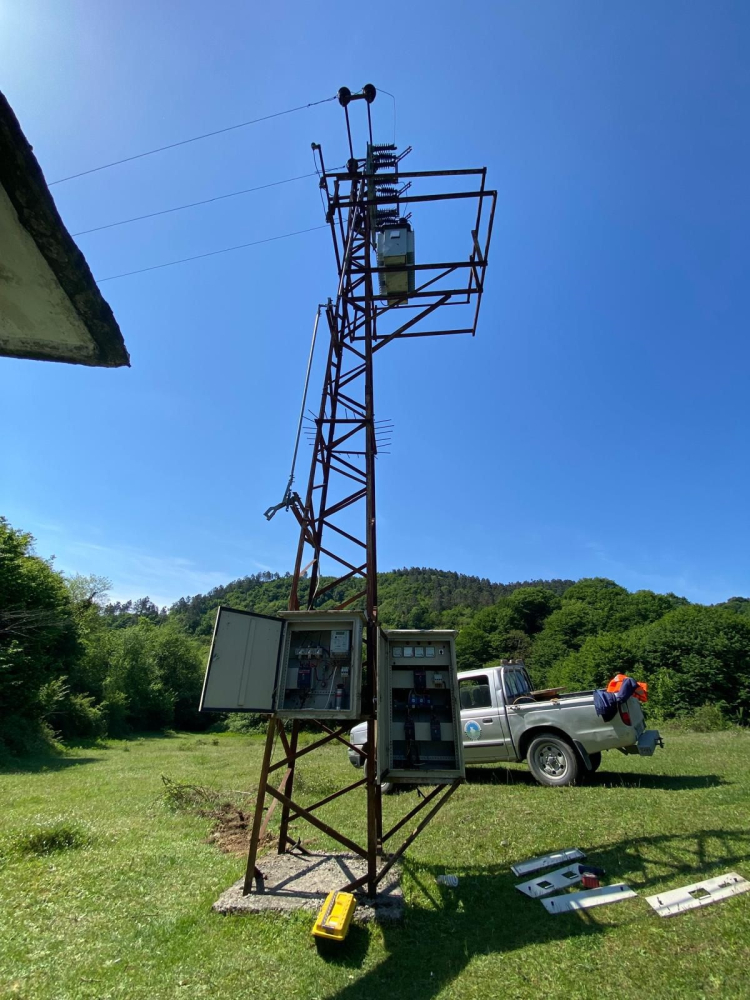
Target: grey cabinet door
x: 243, y: 663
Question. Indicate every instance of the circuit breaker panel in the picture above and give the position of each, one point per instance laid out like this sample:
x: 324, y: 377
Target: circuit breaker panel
x: 320, y: 674
x: 419, y: 718
x: 300, y: 664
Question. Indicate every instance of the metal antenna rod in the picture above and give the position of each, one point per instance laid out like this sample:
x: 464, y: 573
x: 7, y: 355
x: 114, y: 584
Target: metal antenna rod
x: 288, y: 492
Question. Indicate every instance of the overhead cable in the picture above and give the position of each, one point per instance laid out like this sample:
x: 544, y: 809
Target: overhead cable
x: 394, y: 110
x: 192, y: 204
x: 195, y: 138
x: 211, y: 253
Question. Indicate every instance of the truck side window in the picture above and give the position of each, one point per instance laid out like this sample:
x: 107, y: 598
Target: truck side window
x: 510, y: 686
x: 474, y: 692
x: 516, y: 684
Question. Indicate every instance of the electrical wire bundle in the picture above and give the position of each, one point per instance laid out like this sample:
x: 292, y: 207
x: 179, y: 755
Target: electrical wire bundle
x: 205, y: 201
x: 310, y: 667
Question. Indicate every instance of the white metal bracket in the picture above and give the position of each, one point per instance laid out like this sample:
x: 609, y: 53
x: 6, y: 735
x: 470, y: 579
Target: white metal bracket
x: 547, y: 861
x: 543, y: 885
x: 588, y: 898
x: 690, y: 897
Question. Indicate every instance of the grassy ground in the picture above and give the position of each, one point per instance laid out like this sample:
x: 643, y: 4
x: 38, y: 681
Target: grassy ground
x: 127, y: 915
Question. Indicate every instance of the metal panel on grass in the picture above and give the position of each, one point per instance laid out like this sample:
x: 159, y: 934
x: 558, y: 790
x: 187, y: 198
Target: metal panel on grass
x: 547, y: 861
x: 543, y: 885
x: 588, y: 898
x: 690, y: 897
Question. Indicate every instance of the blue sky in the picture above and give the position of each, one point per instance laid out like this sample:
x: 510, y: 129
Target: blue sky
x: 597, y: 425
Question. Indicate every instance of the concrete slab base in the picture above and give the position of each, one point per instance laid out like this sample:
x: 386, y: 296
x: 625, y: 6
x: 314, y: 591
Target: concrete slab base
x: 294, y: 882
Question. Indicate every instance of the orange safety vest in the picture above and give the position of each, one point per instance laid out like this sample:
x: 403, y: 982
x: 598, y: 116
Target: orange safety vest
x: 641, y: 691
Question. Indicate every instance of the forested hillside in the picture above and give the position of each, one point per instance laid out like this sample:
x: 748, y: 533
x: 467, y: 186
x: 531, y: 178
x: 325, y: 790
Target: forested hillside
x: 72, y: 664
x: 408, y: 598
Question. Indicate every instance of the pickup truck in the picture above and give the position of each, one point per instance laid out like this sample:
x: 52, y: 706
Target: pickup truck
x: 558, y: 734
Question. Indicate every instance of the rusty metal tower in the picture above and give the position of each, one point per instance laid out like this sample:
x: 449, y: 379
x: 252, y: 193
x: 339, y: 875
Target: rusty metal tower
x: 378, y: 302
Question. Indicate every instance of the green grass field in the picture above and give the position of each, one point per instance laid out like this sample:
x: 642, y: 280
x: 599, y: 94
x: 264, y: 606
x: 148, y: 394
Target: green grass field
x: 126, y: 913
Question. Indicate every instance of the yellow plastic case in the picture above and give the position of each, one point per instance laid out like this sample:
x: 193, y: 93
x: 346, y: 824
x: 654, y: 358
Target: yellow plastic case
x: 332, y: 923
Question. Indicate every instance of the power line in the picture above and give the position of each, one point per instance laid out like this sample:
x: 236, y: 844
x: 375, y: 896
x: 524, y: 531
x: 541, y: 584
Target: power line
x: 192, y: 204
x: 211, y: 253
x: 195, y: 138
x: 394, y: 110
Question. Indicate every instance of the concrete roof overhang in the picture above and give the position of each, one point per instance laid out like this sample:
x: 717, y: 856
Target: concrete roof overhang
x: 51, y: 308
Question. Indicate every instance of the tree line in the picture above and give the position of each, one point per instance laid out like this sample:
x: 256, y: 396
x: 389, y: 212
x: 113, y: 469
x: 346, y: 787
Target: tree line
x: 689, y: 654
x: 73, y: 664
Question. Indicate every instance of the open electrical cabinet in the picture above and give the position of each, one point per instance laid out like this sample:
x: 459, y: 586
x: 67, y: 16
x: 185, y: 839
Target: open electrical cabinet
x: 301, y: 664
x: 419, y: 718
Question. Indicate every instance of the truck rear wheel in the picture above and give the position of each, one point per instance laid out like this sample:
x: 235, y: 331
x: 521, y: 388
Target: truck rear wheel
x: 552, y: 760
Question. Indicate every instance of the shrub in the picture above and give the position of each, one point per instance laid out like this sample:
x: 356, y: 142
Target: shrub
x: 21, y: 736
x: 245, y: 722
x: 78, y: 716
x: 115, y: 711
x: 60, y: 835
x: 707, y: 718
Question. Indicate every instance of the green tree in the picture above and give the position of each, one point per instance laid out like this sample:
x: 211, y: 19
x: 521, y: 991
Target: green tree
x: 596, y: 662
x: 738, y: 605
x: 690, y: 656
x: 180, y: 662
x: 133, y: 685
x: 514, y: 644
x: 564, y: 632
x: 38, y: 639
x: 531, y: 606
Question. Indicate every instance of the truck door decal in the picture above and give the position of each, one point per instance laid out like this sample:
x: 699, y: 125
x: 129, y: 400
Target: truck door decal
x: 472, y: 729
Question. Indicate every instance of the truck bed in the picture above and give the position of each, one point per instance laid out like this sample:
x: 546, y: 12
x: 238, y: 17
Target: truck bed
x: 573, y: 712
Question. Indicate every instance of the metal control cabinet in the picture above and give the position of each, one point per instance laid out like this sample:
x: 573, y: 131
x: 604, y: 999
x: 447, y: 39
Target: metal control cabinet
x: 419, y: 716
x: 395, y: 245
x: 301, y: 664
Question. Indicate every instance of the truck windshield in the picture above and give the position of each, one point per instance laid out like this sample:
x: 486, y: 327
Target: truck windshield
x: 516, y: 684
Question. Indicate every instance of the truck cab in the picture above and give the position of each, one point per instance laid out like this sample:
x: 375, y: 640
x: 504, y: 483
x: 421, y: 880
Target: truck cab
x: 487, y: 736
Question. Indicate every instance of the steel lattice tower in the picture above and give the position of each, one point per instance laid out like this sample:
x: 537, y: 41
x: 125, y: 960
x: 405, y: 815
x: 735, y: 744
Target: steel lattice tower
x: 337, y: 516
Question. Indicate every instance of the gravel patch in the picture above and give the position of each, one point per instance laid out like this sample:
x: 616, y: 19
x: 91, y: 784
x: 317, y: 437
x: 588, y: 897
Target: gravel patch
x: 294, y: 882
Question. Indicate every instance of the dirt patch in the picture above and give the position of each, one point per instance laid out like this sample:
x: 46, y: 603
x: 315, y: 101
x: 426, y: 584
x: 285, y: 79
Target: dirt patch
x: 231, y: 834
x: 230, y: 811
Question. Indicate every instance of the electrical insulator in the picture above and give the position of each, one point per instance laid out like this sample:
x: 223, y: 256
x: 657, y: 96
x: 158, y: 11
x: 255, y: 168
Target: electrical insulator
x: 384, y: 160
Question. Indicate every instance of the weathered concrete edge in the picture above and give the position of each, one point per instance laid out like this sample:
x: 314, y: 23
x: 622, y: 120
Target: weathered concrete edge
x: 23, y: 180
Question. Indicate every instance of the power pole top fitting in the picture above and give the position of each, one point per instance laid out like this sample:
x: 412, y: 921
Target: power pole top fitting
x: 368, y: 93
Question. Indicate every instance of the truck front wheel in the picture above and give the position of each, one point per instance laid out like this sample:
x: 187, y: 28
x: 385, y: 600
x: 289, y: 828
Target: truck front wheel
x: 552, y: 760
